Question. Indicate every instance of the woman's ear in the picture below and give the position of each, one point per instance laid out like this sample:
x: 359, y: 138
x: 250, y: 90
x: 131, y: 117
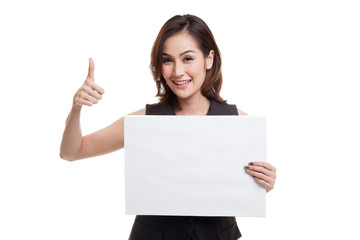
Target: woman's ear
x: 210, y: 60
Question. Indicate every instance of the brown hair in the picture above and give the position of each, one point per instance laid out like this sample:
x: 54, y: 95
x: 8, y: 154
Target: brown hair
x: 198, y: 29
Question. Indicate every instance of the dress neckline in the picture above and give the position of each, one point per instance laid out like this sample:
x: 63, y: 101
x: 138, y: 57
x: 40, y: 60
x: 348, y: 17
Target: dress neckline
x: 209, y: 110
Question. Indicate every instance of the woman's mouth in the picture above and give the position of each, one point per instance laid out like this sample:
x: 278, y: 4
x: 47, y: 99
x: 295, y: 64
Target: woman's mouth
x: 182, y: 84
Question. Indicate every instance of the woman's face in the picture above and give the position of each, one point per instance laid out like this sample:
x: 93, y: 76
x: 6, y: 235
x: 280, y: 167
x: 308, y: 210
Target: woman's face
x: 184, y: 65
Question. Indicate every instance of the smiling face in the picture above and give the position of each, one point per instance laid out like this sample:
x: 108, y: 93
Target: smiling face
x: 184, y: 65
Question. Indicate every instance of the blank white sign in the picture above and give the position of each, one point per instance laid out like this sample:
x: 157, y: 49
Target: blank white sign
x: 193, y: 165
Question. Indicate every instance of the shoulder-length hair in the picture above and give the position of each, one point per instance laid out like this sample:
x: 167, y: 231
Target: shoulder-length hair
x: 198, y: 29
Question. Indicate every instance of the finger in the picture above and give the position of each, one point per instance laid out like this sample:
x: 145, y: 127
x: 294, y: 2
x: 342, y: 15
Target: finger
x: 264, y: 184
x: 90, y: 98
x: 265, y: 165
x: 92, y: 92
x: 91, y: 70
x: 93, y: 86
x: 261, y: 170
x: 85, y: 96
x: 97, y: 88
x: 82, y: 101
x: 261, y: 176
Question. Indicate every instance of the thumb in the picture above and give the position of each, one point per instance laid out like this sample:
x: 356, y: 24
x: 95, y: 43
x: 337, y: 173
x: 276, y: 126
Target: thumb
x: 91, y: 69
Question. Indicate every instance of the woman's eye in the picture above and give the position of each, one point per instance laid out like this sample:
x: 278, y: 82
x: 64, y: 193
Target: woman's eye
x: 187, y: 59
x: 167, y: 60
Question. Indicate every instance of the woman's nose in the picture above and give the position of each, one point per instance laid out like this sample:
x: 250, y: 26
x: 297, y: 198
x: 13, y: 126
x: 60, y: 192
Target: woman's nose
x: 178, y: 69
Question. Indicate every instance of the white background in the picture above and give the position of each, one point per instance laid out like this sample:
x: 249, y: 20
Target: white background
x: 297, y: 62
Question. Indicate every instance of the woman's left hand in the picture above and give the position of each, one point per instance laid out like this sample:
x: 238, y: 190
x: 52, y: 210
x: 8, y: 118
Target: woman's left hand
x: 263, y: 173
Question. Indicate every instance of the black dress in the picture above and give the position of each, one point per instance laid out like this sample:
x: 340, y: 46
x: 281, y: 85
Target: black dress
x: 186, y: 227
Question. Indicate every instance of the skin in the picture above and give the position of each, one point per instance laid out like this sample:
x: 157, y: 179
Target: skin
x: 182, y: 60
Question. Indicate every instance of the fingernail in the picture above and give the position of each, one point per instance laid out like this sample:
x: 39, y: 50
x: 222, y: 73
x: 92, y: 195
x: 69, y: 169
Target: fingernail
x: 251, y: 163
x: 246, y: 167
x: 247, y: 171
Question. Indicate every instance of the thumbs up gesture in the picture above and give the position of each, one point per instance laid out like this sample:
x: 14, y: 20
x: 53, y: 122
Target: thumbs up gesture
x: 90, y: 93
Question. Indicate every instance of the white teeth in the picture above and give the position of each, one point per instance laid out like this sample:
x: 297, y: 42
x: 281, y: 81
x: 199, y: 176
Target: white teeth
x: 182, y: 82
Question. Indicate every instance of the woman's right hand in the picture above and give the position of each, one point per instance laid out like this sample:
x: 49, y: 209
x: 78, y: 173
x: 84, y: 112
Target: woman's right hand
x: 90, y: 93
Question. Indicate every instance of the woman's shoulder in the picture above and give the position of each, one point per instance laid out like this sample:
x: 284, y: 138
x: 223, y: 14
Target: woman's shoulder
x: 224, y: 107
x: 240, y: 112
x: 139, y: 112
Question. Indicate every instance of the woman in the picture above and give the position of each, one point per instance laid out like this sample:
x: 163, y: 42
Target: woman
x: 186, y: 66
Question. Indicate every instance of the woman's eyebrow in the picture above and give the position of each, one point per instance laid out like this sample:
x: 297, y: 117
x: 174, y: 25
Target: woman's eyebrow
x: 188, y: 51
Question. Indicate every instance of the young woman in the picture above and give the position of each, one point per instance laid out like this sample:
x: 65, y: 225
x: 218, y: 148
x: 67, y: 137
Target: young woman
x: 186, y: 66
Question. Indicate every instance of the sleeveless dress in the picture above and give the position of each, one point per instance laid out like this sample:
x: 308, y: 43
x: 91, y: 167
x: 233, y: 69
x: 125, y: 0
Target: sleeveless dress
x: 186, y: 227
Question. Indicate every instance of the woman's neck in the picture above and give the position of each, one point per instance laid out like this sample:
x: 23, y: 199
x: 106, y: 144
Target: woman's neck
x: 193, y: 106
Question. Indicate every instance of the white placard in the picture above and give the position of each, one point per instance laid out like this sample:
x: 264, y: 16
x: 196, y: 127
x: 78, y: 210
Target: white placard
x: 193, y: 165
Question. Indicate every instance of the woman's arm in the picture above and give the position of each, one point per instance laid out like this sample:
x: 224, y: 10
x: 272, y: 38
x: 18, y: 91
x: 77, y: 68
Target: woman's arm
x: 106, y: 140
x: 74, y: 146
